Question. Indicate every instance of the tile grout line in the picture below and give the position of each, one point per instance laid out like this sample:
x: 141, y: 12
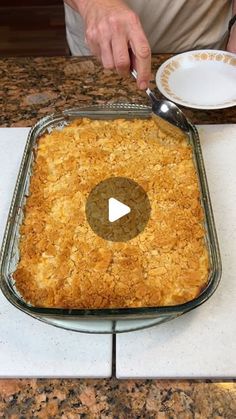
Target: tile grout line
x: 113, y: 372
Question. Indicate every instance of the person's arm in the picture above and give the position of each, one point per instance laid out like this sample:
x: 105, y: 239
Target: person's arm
x: 112, y: 30
x: 231, y: 46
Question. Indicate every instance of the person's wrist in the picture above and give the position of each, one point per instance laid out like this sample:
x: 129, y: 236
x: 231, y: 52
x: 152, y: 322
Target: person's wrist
x: 81, y: 6
x: 78, y: 5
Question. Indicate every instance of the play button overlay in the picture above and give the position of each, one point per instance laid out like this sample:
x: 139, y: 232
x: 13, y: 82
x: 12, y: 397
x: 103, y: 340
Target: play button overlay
x: 118, y: 209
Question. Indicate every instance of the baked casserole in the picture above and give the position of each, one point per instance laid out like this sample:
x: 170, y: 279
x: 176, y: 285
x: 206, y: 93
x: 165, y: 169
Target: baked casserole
x: 64, y: 264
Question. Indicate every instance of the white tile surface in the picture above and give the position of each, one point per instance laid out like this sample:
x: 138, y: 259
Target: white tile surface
x: 29, y: 348
x: 201, y: 343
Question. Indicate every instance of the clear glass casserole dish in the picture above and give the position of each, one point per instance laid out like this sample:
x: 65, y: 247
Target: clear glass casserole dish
x: 99, y: 320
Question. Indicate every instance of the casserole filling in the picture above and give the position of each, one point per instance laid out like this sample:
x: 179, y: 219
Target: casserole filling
x: 65, y: 264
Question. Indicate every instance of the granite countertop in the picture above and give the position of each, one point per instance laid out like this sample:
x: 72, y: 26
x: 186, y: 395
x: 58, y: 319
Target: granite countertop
x: 31, y: 88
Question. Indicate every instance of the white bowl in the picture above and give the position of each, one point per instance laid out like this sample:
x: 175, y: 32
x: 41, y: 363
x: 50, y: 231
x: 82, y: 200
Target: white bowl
x: 201, y: 79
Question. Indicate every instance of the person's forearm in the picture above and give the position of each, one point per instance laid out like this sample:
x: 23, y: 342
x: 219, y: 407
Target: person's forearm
x: 80, y: 5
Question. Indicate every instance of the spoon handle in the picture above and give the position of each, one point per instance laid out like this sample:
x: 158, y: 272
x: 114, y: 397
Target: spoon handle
x: 148, y: 91
x: 134, y: 73
x: 152, y: 96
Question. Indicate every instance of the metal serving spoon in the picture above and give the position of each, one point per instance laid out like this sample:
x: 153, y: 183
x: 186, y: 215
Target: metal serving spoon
x: 166, y: 110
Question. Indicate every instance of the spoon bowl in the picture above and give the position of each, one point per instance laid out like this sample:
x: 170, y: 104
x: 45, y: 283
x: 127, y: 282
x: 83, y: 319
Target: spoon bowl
x: 166, y: 109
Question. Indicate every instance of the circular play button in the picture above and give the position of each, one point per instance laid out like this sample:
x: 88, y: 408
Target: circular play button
x: 118, y: 209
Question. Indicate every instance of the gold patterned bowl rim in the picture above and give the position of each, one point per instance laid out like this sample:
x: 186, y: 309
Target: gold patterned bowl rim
x: 167, y: 69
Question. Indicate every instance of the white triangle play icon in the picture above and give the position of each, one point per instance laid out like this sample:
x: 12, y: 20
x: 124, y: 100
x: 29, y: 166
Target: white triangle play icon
x: 116, y: 209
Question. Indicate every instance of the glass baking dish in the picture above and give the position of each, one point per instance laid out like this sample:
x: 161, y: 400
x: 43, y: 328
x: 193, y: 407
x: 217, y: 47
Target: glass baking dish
x: 111, y: 320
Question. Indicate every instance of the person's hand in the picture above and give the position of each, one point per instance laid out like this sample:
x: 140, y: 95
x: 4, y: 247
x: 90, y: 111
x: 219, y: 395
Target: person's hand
x: 112, y: 30
x: 231, y: 46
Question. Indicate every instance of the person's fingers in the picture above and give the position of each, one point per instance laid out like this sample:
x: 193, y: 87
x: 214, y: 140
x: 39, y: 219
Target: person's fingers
x: 103, y: 38
x: 98, y: 38
x: 91, y: 40
x: 106, y: 56
x: 121, y: 54
x: 142, y: 52
x: 94, y: 48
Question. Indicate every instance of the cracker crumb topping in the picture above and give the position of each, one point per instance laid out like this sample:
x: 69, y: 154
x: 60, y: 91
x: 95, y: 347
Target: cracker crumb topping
x: 64, y: 264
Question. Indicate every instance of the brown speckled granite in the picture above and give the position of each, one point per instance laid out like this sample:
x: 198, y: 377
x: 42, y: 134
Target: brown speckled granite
x: 74, y: 399
x: 29, y: 89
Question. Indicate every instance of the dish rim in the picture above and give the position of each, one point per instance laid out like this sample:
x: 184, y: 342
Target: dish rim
x: 36, y: 131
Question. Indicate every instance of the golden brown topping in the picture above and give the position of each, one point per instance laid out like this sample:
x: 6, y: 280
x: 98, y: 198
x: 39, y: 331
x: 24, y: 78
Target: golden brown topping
x: 65, y: 264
